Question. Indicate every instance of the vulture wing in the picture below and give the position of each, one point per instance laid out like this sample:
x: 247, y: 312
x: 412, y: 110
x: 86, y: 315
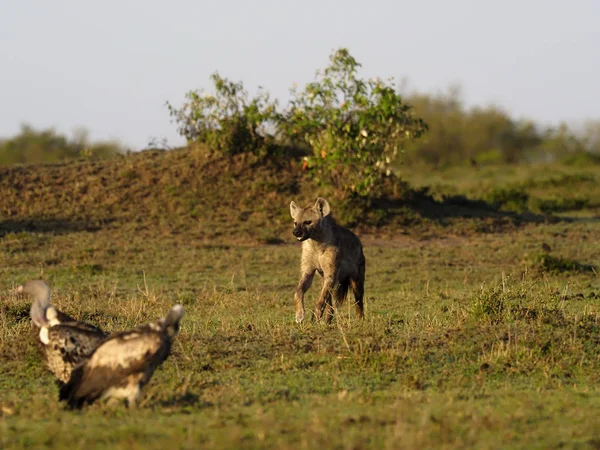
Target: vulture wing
x: 69, y: 344
x: 123, y: 363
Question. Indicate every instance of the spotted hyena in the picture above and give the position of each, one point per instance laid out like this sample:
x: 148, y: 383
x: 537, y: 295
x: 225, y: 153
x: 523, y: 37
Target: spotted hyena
x: 334, y: 252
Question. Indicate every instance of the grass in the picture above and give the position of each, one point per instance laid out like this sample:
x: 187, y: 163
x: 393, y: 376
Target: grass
x: 539, y: 188
x: 470, y: 339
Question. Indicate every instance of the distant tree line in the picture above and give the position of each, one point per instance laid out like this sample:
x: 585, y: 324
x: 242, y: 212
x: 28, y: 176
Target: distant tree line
x: 48, y: 146
x: 487, y: 135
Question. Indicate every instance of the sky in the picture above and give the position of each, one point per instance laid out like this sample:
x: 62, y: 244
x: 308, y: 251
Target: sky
x: 109, y: 66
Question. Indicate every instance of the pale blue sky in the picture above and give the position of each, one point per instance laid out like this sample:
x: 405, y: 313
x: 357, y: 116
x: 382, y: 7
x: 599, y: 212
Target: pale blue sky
x: 110, y: 65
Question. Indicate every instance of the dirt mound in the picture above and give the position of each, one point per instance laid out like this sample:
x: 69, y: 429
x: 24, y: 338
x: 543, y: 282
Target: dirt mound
x: 181, y: 190
x: 196, y: 192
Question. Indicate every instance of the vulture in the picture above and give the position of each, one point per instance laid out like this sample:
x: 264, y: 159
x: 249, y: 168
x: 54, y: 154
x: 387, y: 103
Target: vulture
x: 123, y: 364
x: 64, y: 341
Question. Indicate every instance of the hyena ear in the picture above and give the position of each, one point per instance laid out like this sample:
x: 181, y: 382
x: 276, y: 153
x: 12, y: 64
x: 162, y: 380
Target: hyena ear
x: 322, y: 206
x: 294, y: 209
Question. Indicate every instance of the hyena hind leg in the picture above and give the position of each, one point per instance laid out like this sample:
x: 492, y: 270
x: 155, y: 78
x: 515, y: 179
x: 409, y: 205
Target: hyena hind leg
x: 324, y: 303
x: 341, y: 292
x: 339, y: 296
x: 324, y: 307
x: 358, y: 287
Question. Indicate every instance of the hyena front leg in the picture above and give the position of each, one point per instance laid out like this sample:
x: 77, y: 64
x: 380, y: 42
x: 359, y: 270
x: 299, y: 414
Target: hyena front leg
x: 305, y: 281
x: 325, y: 299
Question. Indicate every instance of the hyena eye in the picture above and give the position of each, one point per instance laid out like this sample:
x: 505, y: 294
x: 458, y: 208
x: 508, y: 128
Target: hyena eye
x: 295, y: 223
x: 307, y: 222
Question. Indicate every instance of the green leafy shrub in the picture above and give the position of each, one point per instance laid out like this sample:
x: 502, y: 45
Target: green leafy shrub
x: 227, y: 121
x: 354, y: 127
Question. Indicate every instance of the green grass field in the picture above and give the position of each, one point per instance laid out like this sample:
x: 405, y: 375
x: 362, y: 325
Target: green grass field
x: 477, y: 335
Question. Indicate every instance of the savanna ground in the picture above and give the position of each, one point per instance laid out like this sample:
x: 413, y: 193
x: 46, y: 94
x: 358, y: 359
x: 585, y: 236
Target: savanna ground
x: 482, y: 325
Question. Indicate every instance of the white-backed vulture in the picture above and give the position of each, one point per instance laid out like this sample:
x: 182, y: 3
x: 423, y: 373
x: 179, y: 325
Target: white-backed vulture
x: 64, y: 341
x: 121, y: 366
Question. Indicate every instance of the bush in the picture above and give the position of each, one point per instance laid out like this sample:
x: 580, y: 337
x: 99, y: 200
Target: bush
x: 227, y: 121
x: 354, y: 127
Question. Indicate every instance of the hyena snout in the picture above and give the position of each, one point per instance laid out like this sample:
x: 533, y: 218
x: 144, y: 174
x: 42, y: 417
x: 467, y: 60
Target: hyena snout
x: 301, y: 233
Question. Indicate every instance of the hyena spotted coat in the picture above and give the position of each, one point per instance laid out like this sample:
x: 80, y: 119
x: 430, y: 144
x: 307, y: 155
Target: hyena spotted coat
x: 334, y: 252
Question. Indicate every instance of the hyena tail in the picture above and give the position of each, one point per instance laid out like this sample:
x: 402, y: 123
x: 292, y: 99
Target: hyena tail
x: 341, y: 292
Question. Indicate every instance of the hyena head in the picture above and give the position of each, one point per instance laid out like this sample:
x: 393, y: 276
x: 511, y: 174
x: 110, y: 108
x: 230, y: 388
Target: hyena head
x: 307, y: 220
